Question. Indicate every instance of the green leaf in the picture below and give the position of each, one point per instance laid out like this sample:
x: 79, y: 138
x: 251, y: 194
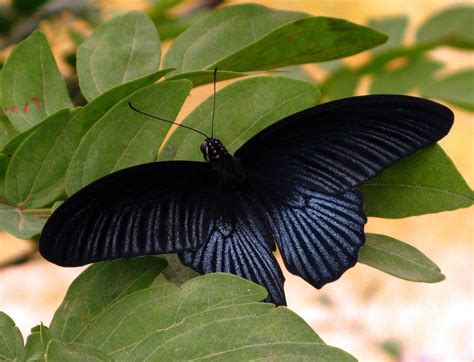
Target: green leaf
x: 123, y: 137
x: 425, y: 182
x: 243, y: 109
x: 6, y: 130
x: 216, y: 315
x: 394, y: 27
x: 11, y: 340
x: 399, y: 259
x: 341, y: 83
x: 416, y: 73
x: 34, y: 348
x: 456, y: 89
x: 18, y: 223
x: 59, y: 351
x: 122, y: 49
x: 36, y: 172
x: 452, y: 27
x: 32, y: 87
x: 26, y: 6
x: 29, y: 170
x: 201, y: 77
x: 97, y: 289
x: 3, y: 171
x: 257, y: 37
x: 36, y: 344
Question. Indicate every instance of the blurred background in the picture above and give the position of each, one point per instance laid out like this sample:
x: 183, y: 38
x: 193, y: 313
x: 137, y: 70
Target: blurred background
x: 372, y: 315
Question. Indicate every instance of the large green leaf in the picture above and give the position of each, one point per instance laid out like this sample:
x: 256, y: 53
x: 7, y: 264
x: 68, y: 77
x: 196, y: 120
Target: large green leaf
x: 416, y: 73
x: 59, y: 351
x: 426, y: 182
x: 37, y: 170
x: 457, y: 89
x: 11, y: 340
x: 122, y: 49
x: 243, y: 109
x: 212, y: 316
x: 123, y: 137
x: 32, y: 87
x: 394, y: 27
x: 19, y: 223
x: 452, y: 27
x: 257, y: 37
x: 399, y: 259
x: 97, y: 289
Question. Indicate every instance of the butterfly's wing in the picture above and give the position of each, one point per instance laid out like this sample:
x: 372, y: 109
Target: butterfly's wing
x: 241, y: 243
x: 319, y: 235
x: 337, y: 146
x: 155, y: 208
x: 307, y: 167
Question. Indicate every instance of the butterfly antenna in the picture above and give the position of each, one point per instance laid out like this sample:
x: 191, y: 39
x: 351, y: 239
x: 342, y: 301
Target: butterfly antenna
x: 165, y: 120
x: 214, y: 103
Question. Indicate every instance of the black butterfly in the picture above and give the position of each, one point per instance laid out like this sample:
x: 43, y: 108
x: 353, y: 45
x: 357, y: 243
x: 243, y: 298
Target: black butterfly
x: 294, y: 185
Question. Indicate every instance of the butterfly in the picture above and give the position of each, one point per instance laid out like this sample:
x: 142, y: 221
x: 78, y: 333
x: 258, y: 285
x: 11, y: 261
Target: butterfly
x: 292, y: 186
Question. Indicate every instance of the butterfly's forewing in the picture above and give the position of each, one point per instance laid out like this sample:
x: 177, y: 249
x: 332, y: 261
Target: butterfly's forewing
x: 336, y: 146
x: 155, y: 208
x: 241, y: 243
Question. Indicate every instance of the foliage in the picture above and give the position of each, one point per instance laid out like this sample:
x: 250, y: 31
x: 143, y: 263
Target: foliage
x: 133, y: 309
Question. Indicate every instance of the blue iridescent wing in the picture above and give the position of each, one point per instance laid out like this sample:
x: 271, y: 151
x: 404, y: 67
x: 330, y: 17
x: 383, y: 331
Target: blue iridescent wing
x: 337, y: 146
x: 155, y: 208
x: 319, y: 236
x: 240, y: 243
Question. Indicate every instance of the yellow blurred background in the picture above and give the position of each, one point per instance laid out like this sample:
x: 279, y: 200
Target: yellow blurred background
x: 365, y: 308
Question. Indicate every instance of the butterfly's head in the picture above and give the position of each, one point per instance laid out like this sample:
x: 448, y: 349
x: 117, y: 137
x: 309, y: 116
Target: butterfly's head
x: 213, y: 149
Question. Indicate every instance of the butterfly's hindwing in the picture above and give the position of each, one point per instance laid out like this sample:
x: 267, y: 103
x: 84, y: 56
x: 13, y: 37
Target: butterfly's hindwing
x: 319, y: 235
x: 240, y: 243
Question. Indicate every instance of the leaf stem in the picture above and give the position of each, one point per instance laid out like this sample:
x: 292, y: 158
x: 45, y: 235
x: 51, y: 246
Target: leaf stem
x: 37, y: 212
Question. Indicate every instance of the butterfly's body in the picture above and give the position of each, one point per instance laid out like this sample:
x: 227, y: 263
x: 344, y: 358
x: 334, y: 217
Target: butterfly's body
x: 293, y: 185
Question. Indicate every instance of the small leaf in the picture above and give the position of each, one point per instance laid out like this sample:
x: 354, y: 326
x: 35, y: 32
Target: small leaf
x: 211, y: 316
x: 399, y: 259
x: 32, y: 87
x: 120, y: 50
x: 11, y: 340
x: 34, y: 348
x: 243, y: 108
x: 97, y: 289
x: 425, y: 182
x: 416, y: 73
x: 394, y: 27
x: 452, y: 27
x: 19, y: 224
x: 257, y: 38
x: 125, y: 138
x: 341, y: 83
x: 456, y: 89
x: 59, y: 351
x: 42, y: 155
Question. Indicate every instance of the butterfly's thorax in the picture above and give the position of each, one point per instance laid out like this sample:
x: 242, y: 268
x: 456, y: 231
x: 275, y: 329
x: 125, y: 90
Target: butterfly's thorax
x: 227, y: 166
